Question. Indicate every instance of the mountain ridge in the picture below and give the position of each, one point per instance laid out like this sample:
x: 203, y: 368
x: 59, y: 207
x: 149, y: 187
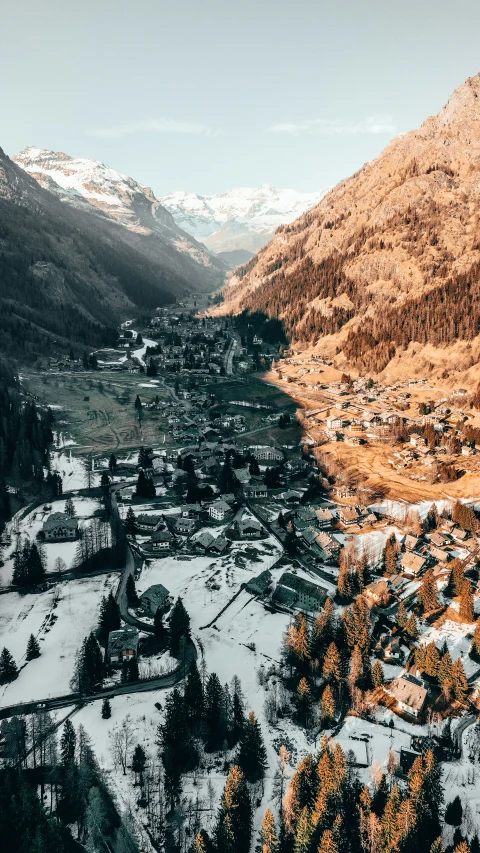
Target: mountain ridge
x: 91, y: 186
x: 244, y: 218
x: 390, y: 257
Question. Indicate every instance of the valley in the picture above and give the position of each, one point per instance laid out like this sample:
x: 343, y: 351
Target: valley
x: 265, y: 494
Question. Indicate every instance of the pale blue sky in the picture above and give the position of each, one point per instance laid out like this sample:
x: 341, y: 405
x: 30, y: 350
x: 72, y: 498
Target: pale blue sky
x: 205, y: 95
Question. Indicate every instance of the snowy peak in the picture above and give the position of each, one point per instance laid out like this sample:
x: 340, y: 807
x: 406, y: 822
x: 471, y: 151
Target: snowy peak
x: 80, y: 181
x: 242, y: 218
x: 94, y: 187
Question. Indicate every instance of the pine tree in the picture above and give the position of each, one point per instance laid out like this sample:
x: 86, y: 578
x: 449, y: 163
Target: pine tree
x: 304, y: 833
x: 445, y: 675
x: 131, y: 592
x: 139, y: 759
x: 69, y: 509
x: 106, y: 709
x: 252, y: 755
x: 89, y: 668
x: 327, y: 843
x: 109, y: 618
x: 238, y: 720
x: 193, y: 696
x: 268, y: 839
x: 437, y: 846
x: 411, y: 628
x: 33, y: 648
x: 303, y: 699
x: 323, y: 631
x: 460, y: 683
x: 68, y: 742
x: 389, y: 829
x: 234, y: 822
x: 328, y: 705
x: 179, y: 627
x: 428, y: 593
x: 454, y: 812
x: 402, y: 616
x: 178, y: 751
x: 8, y: 667
x: 377, y: 674
x: 332, y: 665
x: 112, y: 464
x: 466, y: 602
x: 213, y: 713
x: 130, y: 522
x: 432, y: 660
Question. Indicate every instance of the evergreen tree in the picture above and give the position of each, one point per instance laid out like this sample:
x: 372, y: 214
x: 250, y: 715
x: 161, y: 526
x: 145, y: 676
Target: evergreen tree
x: 112, y: 464
x: 411, y: 628
x: 131, y: 592
x: 214, y: 713
x: 327, y: 843
x: 460, y: 683
x: 238, y: 720
x: 193, y: 696
x: 178, y: 751
x: 68, y: 742
x: 454, y: 812
x: 130, y: 671
x: 252, y: 755
x: 35, y: 567
x: 466, y: 602
x: 139, y: 760
x: 328, y: 705
x: 89, y: 667
x: 70, y: 508
x: 377, y: 674
x: 106, y: 709
x: 304, y: 833
x: 233, y: 829
x: 428, y: 593
x: 303, y: 700
x: 8, y: 667
x: 445, y: 675
x: 179, y: 627
x: 332, y: 665
x: 268, y: 839
x: 323, y: 631
x: 130, y: 522
x: 109, y: 618
x: 402, y: 616
x: 431, y: 660
x: 33, y: 648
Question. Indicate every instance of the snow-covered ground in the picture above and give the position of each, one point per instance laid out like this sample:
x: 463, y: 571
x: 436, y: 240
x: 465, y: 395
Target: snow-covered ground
x: 32, y: 524
x: 72, y: 470
x: 60, y: 619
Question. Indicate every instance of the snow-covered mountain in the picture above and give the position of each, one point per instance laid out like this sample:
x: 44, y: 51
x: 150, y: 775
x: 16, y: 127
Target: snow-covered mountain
x: 243, y: 218
x: 92, y: 186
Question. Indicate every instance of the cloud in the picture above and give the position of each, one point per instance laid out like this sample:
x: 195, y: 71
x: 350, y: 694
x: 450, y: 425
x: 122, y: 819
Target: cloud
x: 375, y: 124
x: 160, y: 125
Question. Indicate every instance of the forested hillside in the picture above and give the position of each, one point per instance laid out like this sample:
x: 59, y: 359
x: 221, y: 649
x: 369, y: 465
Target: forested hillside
x: 391, y: 255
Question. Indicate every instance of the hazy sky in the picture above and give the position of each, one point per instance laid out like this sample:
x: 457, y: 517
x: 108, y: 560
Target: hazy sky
x: 205, y: 95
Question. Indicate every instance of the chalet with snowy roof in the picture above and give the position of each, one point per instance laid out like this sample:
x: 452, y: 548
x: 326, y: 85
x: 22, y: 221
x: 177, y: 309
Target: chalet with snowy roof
x: 219, y: 509
x: 148, y: 523
x: 324, y: 517
x: 160, y: 542
x: 154, y: 598
x: 122, y: 645
x: 59, y: 527
x: 249, y: 528
x: 411, y: 542
x: 409, y: 693
x: 349, y: 515
x: 412, y: 564
x: 260, y: 584
x: 377, y: 594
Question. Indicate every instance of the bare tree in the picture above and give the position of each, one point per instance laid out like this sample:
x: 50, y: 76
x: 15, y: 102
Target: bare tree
x: 121, y: 742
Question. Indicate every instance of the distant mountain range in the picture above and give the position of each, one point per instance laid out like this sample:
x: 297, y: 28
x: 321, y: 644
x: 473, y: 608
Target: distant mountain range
x: 241, y: 220
x: 387, y: 266
x: 69, y: 269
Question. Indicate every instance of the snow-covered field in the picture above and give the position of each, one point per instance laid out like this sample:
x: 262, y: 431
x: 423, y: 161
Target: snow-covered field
x: 60, y: 619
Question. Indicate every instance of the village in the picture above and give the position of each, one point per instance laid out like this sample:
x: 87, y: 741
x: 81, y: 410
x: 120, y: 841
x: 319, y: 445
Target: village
x: 234, y: 505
